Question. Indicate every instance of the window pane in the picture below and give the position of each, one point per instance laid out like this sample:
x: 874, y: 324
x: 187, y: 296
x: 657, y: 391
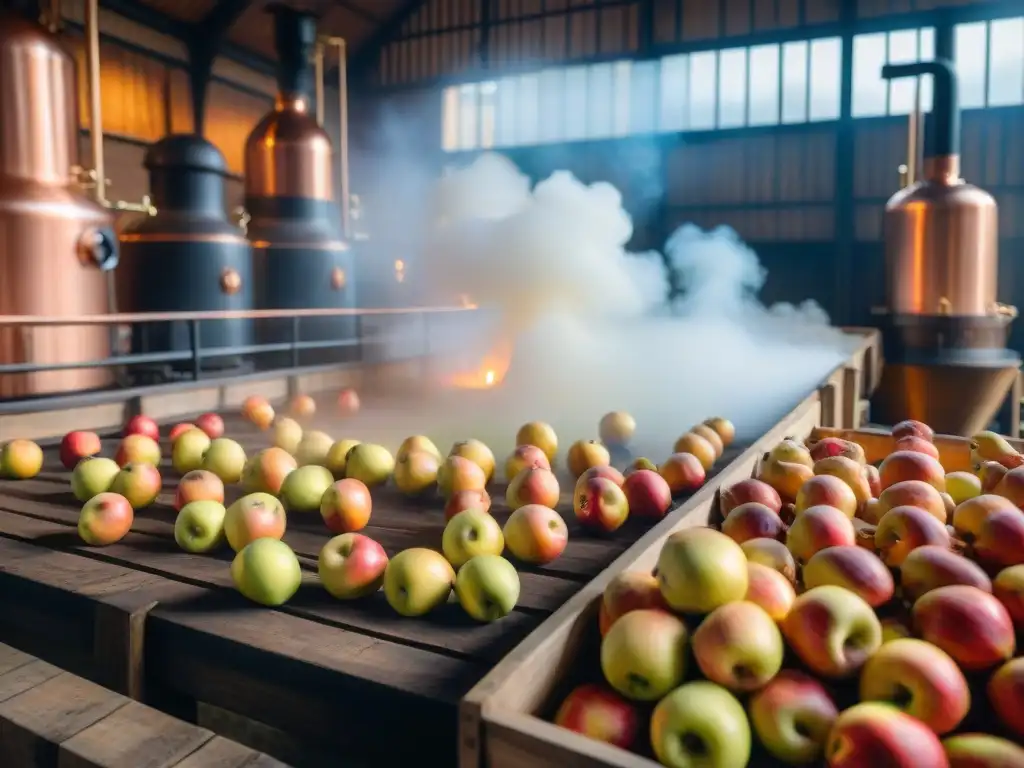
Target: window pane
x: 450, y: 119
x: 826, y: 74
x: 869, y: 89
x: 575, y: 103
x: 764, y: 85
x: 927, y: 54
x: 701, y: 106
x: 528, y: 92
x: 643, y: 91
x: 794, y: 82
x: 1006, y: 66
x: 675, y: 75
x: 505, y: 113
x: 552, y: 103
x: 599, y: 101
x: 903, y: 91
x: 622, y: 75
x: 732, y: 88
x: 487, y: 93
x: 971, y: 41
x: 469, y: 110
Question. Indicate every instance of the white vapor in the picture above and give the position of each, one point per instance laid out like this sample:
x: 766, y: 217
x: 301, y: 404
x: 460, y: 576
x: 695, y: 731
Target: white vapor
x: 593, y: 327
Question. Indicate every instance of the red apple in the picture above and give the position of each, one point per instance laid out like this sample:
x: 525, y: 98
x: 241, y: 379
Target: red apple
x: 919, y: 679
x: 912, y: 428
x: 817, y: 528
x: 179, y: 429
x: 931, y: 567
x: 1006, y: 694
x: 600, y: 714
x: 198, y: 485
x: 836, y: 446
x: 141, y: 425
x: 914, y: 443
x: 683, y: 472
x: 792, y: 717
x: 533, y: 485
x: 970, y: 625
x: 876, y: 734
x: 600, y: 504
x: 753, y: 521
x: 832, y: 630
x: 980, y: 750
x: 536, y: 534
x: 352, y: 565
x: 769, y: 589
x: 348, y: 401
x: 1000, y: 538
x: 77, y: 446
x: 256, y: 516
x: 648, y: 494
x: 629, y: 591
x: 1008, y: 587
x: 853, y: 568
x: 903, y: 529
x: 460, y: 501
x: 749, y: 490
x: 602, y: 471
x: 346, y: 505
x: 211, y: 424
x: 524, y: 457
x: 105, y: 519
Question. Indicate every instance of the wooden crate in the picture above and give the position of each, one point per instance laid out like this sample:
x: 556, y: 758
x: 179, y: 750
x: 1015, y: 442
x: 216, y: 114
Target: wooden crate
x: 504, y: 722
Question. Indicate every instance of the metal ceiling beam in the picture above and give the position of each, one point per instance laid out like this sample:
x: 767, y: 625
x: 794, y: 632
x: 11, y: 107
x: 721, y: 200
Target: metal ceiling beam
x: 359, y: 11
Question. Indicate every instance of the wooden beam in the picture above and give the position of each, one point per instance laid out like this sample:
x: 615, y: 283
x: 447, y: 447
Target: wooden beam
x: 361, y: 12
x: 366, y: 57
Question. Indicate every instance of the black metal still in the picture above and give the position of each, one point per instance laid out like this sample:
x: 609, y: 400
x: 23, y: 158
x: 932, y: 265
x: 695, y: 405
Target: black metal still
x: 188, y: 256
x: 299, y: 254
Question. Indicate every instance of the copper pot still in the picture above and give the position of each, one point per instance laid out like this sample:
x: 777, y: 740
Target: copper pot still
x: 944, y: 330
x: 55, y: 243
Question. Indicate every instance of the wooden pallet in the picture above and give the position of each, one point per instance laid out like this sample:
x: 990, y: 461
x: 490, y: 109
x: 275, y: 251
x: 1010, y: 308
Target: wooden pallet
x: 50, y: 718
x: 149, y: 620
x: 505, y: 721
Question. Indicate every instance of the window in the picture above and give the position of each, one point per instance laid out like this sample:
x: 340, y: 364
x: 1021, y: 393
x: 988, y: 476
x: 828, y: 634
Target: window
x: 763, y: 108
x: 990, y: 62
x: 875, y: 97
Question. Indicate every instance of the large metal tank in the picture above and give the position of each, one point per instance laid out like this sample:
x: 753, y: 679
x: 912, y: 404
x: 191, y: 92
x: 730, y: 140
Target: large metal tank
x: 55, y: 243
x: 300, y: 257
x: 187, y: 257
x: 944, y: 333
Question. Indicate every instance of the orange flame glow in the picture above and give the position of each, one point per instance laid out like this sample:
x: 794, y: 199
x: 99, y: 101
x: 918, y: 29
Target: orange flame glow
x: 489, y: 372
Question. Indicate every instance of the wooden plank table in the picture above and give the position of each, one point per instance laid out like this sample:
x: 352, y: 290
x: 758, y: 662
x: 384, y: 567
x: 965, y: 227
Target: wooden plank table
x: 50, y: 718
x: 349, y: 678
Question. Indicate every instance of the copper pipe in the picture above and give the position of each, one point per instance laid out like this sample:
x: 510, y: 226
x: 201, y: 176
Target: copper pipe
x: 239, y: 314
x: 92, y: 33
x: 53, y: 17
x: 318, y: 68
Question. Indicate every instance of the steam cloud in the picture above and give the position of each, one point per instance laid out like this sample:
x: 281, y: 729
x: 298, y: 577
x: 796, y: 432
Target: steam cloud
x: 671, y: 339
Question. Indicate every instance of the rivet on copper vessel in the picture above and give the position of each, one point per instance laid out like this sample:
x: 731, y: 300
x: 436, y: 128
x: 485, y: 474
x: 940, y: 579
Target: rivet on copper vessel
x: 337, y: 278
x: 230, y: 281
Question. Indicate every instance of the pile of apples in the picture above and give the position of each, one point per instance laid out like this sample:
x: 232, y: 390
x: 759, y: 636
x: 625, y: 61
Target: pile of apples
x: 834, y: 613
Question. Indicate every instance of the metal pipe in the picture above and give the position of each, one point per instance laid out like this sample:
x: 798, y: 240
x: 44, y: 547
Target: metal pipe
x: 92, y: 34
x: 344, y: 191
x: 53, y: 17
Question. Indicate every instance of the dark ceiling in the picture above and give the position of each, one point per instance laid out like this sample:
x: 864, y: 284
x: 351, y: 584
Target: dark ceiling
x: 364, y: 24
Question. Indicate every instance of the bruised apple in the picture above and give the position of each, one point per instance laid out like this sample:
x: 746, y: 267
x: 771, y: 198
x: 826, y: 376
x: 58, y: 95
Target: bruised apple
x: 600, y: 714
x: 648, y: 494
x: 600, y: 504
x: 683, y: 472
x: 836, y: 446
x: 536, y: 534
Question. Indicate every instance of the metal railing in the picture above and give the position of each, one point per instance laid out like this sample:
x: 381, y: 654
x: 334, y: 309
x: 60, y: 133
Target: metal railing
x: 292, y: 344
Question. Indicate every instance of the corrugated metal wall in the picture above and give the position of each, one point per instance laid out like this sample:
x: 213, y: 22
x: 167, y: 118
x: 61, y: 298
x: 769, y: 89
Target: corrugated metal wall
x: 765, y: 115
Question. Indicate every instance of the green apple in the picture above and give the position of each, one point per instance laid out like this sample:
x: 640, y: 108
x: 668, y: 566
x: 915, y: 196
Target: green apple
x: 287, y: 435
x: 226, y: 459
x: 267, y: 572
x: 313, y: 449
x: 643, y: 655
x: 700, y: 723
x: 337, y: 458
x: 487, y: 587
x: 418, y: 580
x: 373, y: 464
x: 94, y: 476
x: 304, y: 487
x: 187, y: 451
x: 470, y: 533
x: 199, y: 526
x: 700, y: 569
